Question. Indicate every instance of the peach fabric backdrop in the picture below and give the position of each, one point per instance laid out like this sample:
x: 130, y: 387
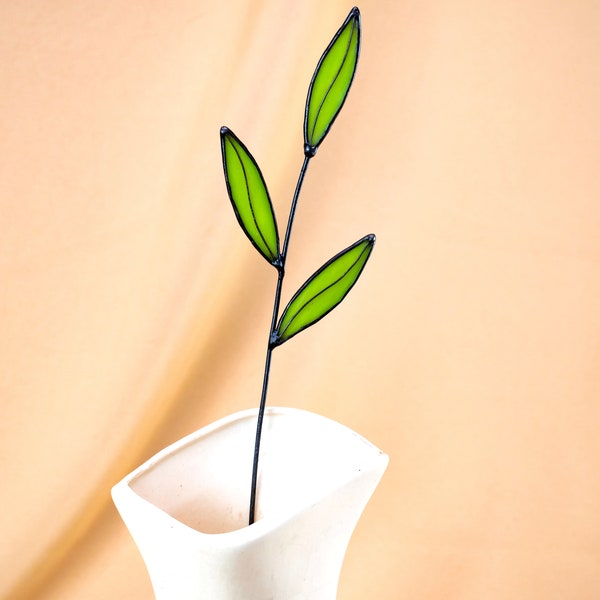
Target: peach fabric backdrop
x: 133, y: 310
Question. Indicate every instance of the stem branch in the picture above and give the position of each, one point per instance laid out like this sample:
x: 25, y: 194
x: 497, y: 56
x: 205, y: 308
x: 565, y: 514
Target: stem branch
x: 270, y: 346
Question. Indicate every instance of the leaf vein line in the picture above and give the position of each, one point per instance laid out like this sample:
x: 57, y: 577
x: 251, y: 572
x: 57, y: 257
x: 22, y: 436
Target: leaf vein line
x: 354, y: 25
x: 260, y: 233
x: 313, y: 298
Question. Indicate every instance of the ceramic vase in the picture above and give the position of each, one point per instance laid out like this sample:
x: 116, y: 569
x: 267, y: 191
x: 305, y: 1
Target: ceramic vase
x: 187, y: 508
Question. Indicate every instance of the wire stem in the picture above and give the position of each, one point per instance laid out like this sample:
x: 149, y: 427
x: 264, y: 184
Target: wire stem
x: 270, y: 346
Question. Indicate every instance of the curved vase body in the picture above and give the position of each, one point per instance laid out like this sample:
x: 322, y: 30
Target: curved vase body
x: 187, y: 508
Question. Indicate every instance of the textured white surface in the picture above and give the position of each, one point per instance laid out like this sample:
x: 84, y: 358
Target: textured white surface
x: 187, y: 507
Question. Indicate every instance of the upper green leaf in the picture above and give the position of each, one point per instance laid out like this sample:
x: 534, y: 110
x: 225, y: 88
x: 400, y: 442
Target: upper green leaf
x: 324, y: 290
x: 331, y: 82
x: 249, y: 196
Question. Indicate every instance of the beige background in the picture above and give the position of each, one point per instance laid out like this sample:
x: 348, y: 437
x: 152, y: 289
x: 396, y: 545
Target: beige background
x: 133, y: 310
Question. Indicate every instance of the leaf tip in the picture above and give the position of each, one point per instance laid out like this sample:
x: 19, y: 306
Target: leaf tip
x: 367, y: 240
x: 225, y: 131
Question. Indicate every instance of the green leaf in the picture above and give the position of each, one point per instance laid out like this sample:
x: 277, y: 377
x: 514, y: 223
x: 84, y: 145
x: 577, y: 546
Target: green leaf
x: 324, y: 290
x: 331, y: 82
x: 249, y: 196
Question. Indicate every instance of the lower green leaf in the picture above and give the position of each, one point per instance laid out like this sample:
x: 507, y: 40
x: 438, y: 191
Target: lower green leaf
x: 324, y: 290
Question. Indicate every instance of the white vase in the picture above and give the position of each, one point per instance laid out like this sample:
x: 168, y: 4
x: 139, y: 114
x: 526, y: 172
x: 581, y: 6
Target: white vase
x: 187, y: 508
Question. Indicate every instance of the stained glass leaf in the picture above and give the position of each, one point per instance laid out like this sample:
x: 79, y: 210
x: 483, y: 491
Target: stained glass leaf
x: 324, y: 290
x: 331, y: 82
x: 249, y: 196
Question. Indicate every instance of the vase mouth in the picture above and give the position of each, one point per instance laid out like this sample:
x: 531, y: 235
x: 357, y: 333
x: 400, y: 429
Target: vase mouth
x: 202, y: 482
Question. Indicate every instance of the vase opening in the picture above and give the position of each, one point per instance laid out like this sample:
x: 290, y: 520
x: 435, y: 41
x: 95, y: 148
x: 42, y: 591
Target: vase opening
x: 203, y: 481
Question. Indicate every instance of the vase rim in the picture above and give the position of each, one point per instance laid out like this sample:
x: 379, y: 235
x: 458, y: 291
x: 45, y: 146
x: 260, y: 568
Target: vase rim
x: 375, y: 462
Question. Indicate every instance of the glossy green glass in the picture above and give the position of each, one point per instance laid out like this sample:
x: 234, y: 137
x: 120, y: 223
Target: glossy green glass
x: 324, y: 290
x: 249, y: 196
x: 331, y: 81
